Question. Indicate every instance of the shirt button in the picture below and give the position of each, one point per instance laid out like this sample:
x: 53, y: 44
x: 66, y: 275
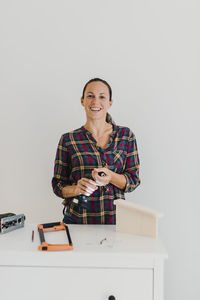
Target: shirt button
x: 105, y: 188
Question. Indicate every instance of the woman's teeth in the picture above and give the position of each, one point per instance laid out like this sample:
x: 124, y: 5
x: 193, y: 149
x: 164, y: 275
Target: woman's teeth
x: 95, y: 109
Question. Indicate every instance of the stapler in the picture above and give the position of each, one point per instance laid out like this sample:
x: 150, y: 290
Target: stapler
x: 10, y: 221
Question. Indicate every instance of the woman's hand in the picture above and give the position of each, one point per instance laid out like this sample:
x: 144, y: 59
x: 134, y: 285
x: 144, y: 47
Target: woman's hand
x: 102, y: 180
x: 85, y: 187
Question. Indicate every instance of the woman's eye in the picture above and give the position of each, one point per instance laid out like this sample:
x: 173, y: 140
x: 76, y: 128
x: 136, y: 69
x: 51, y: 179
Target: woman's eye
x: 91, y: 96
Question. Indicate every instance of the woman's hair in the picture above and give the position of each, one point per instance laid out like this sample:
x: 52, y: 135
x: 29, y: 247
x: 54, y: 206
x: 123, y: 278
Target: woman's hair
x: 108, y: 116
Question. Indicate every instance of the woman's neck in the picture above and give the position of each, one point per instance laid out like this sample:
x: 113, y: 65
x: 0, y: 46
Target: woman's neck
x: 97, y: 127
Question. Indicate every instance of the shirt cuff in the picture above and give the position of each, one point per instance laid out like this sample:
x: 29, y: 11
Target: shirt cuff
x: 58, y: 189
x: 130, y: 185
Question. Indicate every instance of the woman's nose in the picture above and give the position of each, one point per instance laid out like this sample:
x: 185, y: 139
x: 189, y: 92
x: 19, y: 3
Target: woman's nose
x: 95, y: 100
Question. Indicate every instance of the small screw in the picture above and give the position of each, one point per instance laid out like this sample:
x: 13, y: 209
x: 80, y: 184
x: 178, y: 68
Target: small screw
x: 101, y: 242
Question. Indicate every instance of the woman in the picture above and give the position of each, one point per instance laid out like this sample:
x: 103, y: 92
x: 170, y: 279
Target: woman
x: 99, y: 147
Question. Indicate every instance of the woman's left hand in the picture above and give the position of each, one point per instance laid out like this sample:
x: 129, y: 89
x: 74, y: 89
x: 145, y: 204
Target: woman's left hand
x: 101, y: 180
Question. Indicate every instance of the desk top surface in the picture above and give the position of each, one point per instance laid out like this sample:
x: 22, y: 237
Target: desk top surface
x: 94, y: 245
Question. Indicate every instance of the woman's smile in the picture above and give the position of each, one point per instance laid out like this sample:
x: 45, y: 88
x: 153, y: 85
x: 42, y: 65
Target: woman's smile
x: 95, y: 109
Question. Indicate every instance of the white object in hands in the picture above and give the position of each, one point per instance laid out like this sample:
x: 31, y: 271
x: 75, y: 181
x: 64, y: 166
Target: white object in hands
x: 136, y: 219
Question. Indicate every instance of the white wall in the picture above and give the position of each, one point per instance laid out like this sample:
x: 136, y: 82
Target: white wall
x: 147, y: 51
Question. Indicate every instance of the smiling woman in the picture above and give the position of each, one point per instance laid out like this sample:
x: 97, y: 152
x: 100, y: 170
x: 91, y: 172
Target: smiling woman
x: 105, y: 94
x: 98, y: 147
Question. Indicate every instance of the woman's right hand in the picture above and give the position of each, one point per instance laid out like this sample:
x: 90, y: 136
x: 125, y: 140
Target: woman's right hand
x: 85, y: 187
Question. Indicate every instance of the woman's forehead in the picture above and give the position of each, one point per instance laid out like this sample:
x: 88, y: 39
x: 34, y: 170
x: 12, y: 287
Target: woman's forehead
x: 98, y: 87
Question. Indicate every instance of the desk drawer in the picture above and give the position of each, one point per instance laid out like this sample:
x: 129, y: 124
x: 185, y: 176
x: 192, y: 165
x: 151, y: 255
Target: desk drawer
x: 76, y: 283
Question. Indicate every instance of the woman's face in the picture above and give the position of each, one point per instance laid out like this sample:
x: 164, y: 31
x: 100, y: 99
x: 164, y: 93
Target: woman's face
x: 96, y: 100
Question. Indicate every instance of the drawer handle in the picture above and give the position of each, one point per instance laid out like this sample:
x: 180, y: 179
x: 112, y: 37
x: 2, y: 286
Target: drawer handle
x: 111, y: 297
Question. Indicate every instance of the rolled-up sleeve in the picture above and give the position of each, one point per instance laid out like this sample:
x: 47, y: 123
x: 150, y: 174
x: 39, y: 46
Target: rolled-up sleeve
x: 62, y: 169
x: 131, y: 171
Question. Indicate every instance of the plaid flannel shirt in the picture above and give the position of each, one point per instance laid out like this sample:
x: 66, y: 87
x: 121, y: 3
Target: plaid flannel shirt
x: 78, y: 154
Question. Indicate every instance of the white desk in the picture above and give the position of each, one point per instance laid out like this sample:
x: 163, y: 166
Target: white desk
x: 124, y: 265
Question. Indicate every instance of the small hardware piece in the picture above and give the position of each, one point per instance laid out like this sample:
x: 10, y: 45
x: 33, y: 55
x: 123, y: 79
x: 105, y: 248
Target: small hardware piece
x: 10, y: 221
x: 53, y: 227
x: 101, y: 242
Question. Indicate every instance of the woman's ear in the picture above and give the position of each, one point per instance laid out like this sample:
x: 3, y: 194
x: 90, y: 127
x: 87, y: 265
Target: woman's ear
x: 82, y: 101
x: 111, y: 102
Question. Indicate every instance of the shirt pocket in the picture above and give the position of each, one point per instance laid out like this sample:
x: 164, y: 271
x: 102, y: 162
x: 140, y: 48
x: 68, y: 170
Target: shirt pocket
x: 118, y: 161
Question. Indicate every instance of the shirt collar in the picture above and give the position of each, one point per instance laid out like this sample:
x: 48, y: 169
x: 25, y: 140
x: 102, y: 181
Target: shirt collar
x: 89, y: 133
x: 90, y: 136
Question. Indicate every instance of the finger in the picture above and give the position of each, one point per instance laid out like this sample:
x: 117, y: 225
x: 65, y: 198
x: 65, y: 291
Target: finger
x: 94, y: 175
x: 90, y: 189
x: 88, y: 180
x: 84, y: 193
x: 100, y: 183
x: 87, y: 188
x: 100, y: 169
x: 89, y: 183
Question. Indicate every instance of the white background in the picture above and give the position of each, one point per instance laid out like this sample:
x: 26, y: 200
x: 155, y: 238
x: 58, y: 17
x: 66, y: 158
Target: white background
x: 148, y: 52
